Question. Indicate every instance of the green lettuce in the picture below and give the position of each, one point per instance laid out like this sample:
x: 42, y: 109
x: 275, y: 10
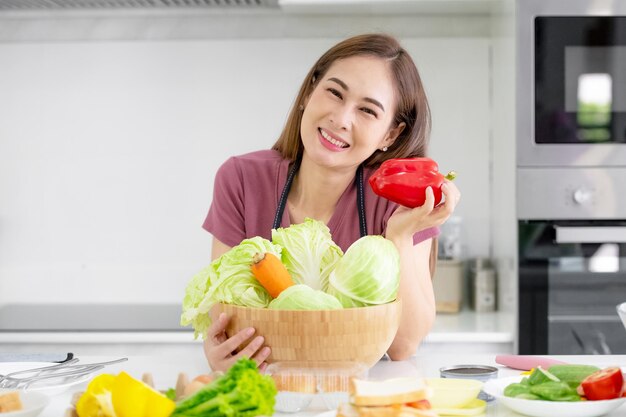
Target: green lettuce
x: 194, y: 294
x: 368, y: 274
x: 241, y: 392
x: 309, y: 252
x: 303, y: 297
x: 228, y: 279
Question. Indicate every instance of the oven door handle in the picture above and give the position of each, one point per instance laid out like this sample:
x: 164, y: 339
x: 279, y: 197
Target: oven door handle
x: 597, y: 234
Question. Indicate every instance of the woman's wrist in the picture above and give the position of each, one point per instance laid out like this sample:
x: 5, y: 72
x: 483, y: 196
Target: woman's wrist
x: 401, y: 241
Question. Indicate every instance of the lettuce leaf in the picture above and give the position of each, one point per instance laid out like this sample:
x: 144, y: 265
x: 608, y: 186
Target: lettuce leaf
x: 228, y: 279
x: 194, y: 294
x: 309, y: 252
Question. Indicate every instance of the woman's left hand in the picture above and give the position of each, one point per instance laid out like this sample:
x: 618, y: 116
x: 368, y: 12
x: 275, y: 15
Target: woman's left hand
x: 405, y: 222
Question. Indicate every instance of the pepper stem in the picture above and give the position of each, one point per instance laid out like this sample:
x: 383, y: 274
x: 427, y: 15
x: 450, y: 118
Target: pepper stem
x: 451, y: 175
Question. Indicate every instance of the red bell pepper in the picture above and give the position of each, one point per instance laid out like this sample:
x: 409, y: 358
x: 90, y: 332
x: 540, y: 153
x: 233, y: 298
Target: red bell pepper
x: 604, y: 384
x: 404, y: 181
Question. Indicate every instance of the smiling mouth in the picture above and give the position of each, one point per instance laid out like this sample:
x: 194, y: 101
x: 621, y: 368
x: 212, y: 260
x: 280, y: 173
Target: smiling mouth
x: 338, y: 143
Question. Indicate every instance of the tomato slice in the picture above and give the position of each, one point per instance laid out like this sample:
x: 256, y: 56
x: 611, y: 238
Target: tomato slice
x: 420, y: 405
x: 604, y: 384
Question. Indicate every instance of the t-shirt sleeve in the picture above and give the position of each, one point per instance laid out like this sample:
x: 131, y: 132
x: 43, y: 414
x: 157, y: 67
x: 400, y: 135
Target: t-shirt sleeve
x: 226, y: 220
x: 425, y: 234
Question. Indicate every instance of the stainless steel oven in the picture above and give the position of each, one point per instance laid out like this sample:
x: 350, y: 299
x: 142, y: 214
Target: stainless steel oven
x: 571, y: 175
x: 571, y: 69
x: 572, y: 277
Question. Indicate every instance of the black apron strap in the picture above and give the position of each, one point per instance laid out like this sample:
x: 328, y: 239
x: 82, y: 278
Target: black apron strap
x: 360, y: 198
x: 360, y: 201
x: 282, y: 202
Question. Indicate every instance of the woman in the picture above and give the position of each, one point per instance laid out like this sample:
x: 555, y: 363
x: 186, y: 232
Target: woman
x: 361, y: 104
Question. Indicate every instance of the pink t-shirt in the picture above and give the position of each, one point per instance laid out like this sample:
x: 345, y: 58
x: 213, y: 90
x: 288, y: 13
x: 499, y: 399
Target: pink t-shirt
x: 246, y: 195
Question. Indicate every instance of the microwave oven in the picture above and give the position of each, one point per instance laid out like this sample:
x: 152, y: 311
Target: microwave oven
x: 571, y: 89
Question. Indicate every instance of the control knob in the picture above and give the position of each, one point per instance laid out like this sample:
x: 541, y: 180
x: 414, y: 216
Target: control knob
x: 582, y: 196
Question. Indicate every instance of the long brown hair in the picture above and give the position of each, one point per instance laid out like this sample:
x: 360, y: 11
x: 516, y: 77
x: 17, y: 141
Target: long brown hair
x: 411, y: 107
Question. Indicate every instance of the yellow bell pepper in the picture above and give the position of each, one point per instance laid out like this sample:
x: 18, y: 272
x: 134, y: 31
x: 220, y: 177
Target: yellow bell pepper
x: 96, y: 400
x: 122, y: 396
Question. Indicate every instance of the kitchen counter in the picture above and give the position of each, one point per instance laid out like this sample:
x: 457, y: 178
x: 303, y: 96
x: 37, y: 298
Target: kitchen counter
x: 166, y: 368
x: 471, y: 332
x: 470, y: 326
x: 462, y: 333
x: 159, y: 324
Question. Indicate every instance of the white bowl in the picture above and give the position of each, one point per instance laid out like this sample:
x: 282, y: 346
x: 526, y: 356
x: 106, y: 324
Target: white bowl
x: 538, y: 408
x: 621, y: 312
x: 34, y: 402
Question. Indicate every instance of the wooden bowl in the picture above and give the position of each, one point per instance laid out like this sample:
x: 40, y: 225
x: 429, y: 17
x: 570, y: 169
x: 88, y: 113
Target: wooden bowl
x: 360, y: 334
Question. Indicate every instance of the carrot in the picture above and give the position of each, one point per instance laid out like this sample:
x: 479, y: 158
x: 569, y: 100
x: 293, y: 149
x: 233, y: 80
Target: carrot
x: 271, y: 273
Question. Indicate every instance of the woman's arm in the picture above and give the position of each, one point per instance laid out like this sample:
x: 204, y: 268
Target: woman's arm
x: 416, y: 289
x: 218, y: 249
x: 417, y: 296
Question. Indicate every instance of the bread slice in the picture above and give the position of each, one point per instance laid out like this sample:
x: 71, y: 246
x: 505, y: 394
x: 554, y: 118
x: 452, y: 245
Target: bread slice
x: 349, y: 410
x: 387, y: 392
x: 10, y: 402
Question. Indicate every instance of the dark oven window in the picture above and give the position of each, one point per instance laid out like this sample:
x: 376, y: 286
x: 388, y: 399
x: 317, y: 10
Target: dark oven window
x: 580, y: 79
x: 570, y: 283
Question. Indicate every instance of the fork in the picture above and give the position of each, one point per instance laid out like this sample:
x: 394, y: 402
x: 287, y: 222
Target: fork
x: 42, y: 369
x: 68, y: 376
x: 63, y: 370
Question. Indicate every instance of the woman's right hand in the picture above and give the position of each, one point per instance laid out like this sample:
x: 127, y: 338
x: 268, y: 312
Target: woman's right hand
x: 220, y: 350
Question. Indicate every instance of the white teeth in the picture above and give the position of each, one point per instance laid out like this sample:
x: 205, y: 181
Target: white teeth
x: 333, y: 141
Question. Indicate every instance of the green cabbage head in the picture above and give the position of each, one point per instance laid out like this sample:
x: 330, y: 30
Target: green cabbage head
x: 368, y: 273
x: 303, y: 297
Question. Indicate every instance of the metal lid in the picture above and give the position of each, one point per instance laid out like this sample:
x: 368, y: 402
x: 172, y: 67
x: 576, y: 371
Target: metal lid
x: 468, y: 370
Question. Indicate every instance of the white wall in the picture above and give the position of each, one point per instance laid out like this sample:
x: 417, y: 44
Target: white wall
x: 456, y: 74
x: 504, y: 221
x: 108, y: 151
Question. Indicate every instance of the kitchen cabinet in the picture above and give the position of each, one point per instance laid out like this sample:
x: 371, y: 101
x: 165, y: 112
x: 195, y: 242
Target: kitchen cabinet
x: 466, y: 332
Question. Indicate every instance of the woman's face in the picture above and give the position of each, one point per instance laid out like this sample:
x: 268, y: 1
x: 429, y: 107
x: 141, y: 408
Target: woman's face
x: 349, y: 114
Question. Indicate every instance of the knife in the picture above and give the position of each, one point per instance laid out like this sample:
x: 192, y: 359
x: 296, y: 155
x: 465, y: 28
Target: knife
x: 36, y: 357
x: 526, y: 362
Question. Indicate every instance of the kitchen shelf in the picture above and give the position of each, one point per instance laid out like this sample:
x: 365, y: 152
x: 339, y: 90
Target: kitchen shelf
x: 292, y: 19
x: 166, y: 8
x: 389, y: 6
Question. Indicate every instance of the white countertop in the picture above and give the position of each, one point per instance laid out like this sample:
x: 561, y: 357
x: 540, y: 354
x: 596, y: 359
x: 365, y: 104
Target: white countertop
x: 465, y: 327
x: 165, y: 371
x: 37, y: 337
x: 470, y: 326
